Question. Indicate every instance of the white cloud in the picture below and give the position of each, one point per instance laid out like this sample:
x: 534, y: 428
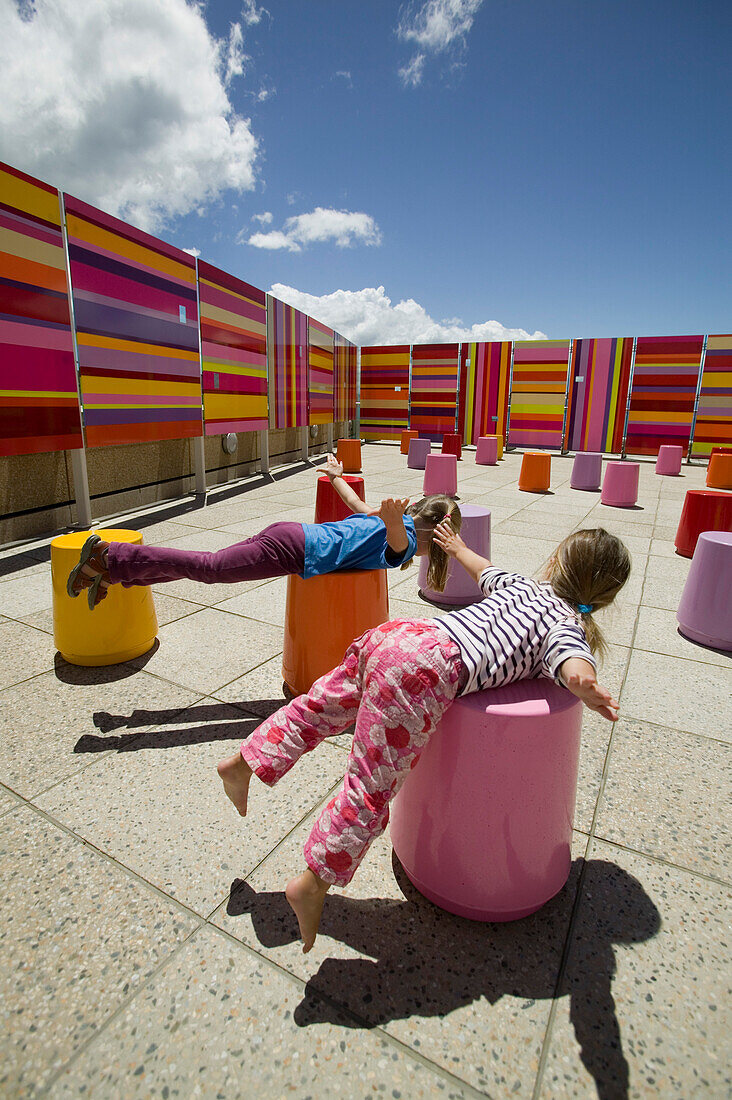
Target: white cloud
x: 193, y: 251
x: 251, y: 14
x: 368, y: 317
x: 123, y: 103
x: 264, y: 219
x: 434, y: 26
x: 235, y: 58
x: 412, y: 73
x: 344, y: 74
x: 343, y: 227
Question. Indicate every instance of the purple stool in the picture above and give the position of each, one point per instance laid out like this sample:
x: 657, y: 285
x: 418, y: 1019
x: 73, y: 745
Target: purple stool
x: 486, y: 451
x: 586, y: 471
x: 705, y: 611
x: 620, y: 485
x: 483, y: 825
x: 669, y: 459
x: 461, y: 589
x: 418, y: 451
x: 440, y: 475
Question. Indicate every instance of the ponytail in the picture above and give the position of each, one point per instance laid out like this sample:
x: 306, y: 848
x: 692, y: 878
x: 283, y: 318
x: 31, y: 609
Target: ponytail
x: 432, y: 510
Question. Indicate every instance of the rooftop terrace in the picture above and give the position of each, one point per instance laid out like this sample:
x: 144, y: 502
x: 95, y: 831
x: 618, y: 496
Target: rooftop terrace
x: 147, y: 949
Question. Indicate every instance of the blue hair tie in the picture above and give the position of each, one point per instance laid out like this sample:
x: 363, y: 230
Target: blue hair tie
x: 585, y: 608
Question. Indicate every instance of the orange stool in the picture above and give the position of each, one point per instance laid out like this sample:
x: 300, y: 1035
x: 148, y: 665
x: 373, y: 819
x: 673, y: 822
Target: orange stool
x: 349, y: 453
x: 536, y: 472
x: 328, y: 505
x: 719, y: 472
x: 406, y: 437
x: 323, y: 615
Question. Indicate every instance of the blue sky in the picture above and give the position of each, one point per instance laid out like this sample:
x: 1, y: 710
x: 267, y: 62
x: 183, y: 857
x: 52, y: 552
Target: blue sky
x: 556, y: 168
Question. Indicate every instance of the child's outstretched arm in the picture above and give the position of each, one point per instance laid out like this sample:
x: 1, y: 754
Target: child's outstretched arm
x: 579, y: 677
x: 392, y: 512
x: 454, y: 547
x: 334, y: 469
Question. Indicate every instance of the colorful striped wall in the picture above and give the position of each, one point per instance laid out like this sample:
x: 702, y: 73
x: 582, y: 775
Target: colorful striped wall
x: 39, y: 404
x: 320, y: 361
x: 136, y: 331
x: 714, y: 413
x: 233, y: 352
x: 484, y: 377
x: 598, y: 394
x: 434, y: 393
x: 287, y: 364
x: 384, y: 391
x: 345, y: 371
x: 662, y: 395
x: 538, y: 394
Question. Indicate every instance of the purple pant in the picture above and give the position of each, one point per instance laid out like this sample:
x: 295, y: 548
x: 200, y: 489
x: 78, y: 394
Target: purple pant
x: 275, y: 552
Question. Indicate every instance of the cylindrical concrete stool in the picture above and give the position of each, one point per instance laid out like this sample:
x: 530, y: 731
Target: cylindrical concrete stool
x: 705, y: 610
x: 620, y: 484
x: 461, y: 589
x: 122, y: 626
x: 703, y: 510
x: 440, y: 475
x: 483, y: 825
x: 418, y: 451
x: 349, y: 453
x: 451, y: 444
x: 536, y: 472
x: 407, y: 436
x: 586, y: 471
x: 486, y: 451
x: 323, y: 615
x: 719, y: 472
x: 328, y: 505
x: 669, y: 459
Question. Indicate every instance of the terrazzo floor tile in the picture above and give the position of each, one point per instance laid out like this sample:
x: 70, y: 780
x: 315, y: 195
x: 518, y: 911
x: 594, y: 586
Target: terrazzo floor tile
x: 667, y: 795
x: 265, y: 603
x: 664, y: 582
x: 23, y: 595
x: 15, y: 565
x: 596, y: 733
x: 619, y: 525
x: 207, y: 595
x: 24, y: 652
x: 524, y: 555
x: 663, y: 548
x: 642, y: 1006
x: 158, y: 806
x: 168, y: 609
x: 529, y: 528
x: 259, y: 691
x: 658, y: 632
x: 218, y: 1016
x: 244, y: 508
x: 7, y: 801
x: 680, y: 694
x: 77, y: 935
x: 203, y: 539
x: 164, y: 533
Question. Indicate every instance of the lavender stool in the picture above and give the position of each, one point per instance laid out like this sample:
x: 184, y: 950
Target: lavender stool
x: 705, y: 611
x: 669, y: 459
x: 486, y: 451
x: 417, y: 455
x: 461, y: 589
x: 620, y: 485
x: 586, y: 471
x: 440, y: 475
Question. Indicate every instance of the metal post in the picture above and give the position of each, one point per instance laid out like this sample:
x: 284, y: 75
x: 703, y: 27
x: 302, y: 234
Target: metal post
x: 330, y: 437
x: 81, y: 487
x: 199, y: 463
x: 304, y: 440
x: 510, y: 392
x: 264, y: 451
x: 357, y: 424
x: 457, y: 393
x: 696, y: 399
x: 409, y: 401
x: 630, y: 392
x: 563, y: 449
x: 199, y: 451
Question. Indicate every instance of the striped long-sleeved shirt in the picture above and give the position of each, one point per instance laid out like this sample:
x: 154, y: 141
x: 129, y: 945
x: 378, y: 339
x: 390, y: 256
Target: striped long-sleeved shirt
x: 522, y: 629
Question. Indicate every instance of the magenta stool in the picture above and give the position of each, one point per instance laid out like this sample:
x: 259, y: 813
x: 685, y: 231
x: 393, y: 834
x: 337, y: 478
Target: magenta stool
x: 486, y: 451
x: 417, y: 455
x: 440, y: 475
x: 461, y: 589
x: 451, y: 444
x: 586, y: 471
x: 620, y: 484
x: 483, y: 825
x: 669, y: 459
x: 705, y: 611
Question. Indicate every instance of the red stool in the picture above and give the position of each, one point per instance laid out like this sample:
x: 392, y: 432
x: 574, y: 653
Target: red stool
x: 408, y: 435
x: 349, y: 454
x: 451, y: 445
x: 328, y: 505
x: 719, y: 472
x: 704, y: 510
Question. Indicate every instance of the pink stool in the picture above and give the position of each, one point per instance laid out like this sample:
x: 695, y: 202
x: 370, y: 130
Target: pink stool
x: 486, y: 452
x: 451, y: 444
x: 586, y: 471
x: 705, y: 611
x: 440, y: 475
x: 418, y: 451
x: 669, y: 459
x: 620, y: 485
x: 461, y: 589
x: 483, y: 825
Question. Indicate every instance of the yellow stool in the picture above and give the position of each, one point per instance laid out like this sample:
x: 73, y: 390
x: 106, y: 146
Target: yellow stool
x: 122, y: 626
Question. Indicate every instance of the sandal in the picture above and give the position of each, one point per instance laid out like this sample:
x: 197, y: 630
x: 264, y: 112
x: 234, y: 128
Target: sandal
x: 97, y: 590
x: 88, y: 551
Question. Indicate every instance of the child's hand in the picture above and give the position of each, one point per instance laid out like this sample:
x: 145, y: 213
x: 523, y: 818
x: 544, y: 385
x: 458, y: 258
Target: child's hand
x: 446, y: 537
x: 391, y: 510
x: 579, y: 678
x: 333, y: 468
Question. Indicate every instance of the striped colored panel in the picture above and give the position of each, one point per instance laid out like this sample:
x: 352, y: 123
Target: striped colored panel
x: 484, y: 374
x: 434, y: 394
x: 320, y: 358
x: 233, y: 352
x: 287, y: 339
x: 384, y: 391
x: 538, y: 393
x: 662, y: 395
x: 598, y: 394
x: 345, y: 368
x: 136, y: 330
x: 39, y: 404
x: 714, y: 414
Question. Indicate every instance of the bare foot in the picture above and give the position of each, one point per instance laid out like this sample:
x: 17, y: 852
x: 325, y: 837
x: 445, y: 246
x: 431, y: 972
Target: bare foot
x: 306, y: 895
x: 235, y: 775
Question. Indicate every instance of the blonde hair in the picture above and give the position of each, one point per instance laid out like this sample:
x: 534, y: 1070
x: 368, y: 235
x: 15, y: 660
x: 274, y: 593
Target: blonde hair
x: 432, y: 510
x: 588, y: 569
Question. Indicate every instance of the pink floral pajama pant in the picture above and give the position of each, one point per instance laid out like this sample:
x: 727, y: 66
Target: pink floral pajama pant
x: 395, y: 683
